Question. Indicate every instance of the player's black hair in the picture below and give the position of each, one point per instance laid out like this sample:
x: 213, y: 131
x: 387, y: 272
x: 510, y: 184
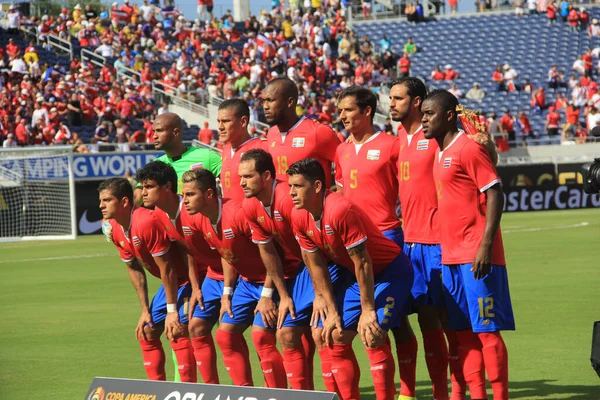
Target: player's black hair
x: 239, y: 106
x: 263, y: 161
x: 158, y: 171
x: 414, y: 87
x: 364, y: 98
x: 118, y: 187
x: 287, y: 86
x: 446, y: 100
x: 203, y: 178
x: 309, y: 168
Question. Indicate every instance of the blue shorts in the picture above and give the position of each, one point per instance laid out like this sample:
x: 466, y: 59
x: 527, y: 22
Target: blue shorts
x: 303, y: 293
x: 392, y: 291
x: 212, y: 291
x: 397, y: 235
x: 158, y: 307
x: 243, y: 302
x: 482, y: 305
x: 426, y: 260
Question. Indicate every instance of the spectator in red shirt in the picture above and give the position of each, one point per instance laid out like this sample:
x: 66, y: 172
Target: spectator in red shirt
x: 125, y: 108
x: 498, y: 78
x: 437, y: 74
x: 508, y: 124
x: 588, y: 63
x: 572, y: 125
x: 525, y: 126
x: 584, y: 18
x: 573, y: 19
x: 538, y: 100
x: 404, y: 66
x: 12, y: 50
x: 450, y: 74
x: 551, y: 13
x: 552, y: 124
x: 21, y: 132
x: 206, y: 135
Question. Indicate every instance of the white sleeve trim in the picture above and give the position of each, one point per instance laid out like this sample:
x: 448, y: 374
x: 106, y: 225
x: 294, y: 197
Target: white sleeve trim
x: 339, y: 184
x: 269, y: 240
x: 353, y: 245
x: 162, y: 253
x: 489, y: 185
x: 128, y: 260
x: 313, y: 250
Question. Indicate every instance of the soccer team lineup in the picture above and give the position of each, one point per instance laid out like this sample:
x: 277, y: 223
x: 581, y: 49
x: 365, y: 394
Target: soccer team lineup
x: 274, y: 250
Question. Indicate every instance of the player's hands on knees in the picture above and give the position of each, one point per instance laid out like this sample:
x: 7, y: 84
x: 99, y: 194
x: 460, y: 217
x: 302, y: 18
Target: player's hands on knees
x: 195, y: 299
x: 225, y: 307
x: 107, y: 230
x: 482, y: 263
x: 332, y: 322
x: 173, y: 328
x: 268, y: 311
x: 145, y: 319
x: 286, y: 306
x: 319, y: 311
x: 368, y: 328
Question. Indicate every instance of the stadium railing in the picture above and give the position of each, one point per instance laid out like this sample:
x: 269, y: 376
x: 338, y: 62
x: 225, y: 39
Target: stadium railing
x: 90, y: 56
x: 197, y: 143
x: 54, y: 42
x: 170, y: 93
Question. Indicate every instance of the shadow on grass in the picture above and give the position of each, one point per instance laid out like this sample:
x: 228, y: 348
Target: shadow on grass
x: 539, y: 389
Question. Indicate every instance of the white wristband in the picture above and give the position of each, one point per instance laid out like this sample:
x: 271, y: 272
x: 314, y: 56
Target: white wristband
x: 227, y: 291
x: 171, y: 307
x: 267, y: 292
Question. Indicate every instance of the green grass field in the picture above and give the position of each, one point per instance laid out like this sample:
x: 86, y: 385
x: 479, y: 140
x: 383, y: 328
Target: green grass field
x: 68, y: 313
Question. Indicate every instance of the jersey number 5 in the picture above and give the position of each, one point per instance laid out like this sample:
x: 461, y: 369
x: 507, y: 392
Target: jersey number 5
x: 353, y: 178
x: 227, y: 179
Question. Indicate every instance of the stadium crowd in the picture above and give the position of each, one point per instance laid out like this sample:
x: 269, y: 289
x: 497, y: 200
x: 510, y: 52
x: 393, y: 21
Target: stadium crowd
x: 216, y: 58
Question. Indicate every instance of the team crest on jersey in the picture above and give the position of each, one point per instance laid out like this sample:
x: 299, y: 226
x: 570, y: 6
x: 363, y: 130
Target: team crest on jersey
x: 136, y: 241
x: 423, y: 144
x: 196, y: 166
x: 273, y: 144
x: 373, y: 155
x: 298, y: 142
x: 261, y: 219
x: 346, y: 156
x: 447, y: 162
x: 328, y: 230
x: 310, y: 233
x: 122, y: 243
x: 228, y: 234
x: 187, y: 231
x: 277, y: 216
x: 209, y: 235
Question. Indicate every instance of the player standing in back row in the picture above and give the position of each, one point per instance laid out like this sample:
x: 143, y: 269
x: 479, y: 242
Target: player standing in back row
x: 422, y: 239
x: 470, y: 202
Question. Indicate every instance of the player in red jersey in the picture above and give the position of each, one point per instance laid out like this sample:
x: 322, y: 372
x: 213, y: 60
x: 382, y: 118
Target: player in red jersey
x: 232, y: 119
x: 328, y: 225
x: 470, y: 202
x: 143, y: 242
x: 367, y: 174
x: 418, y: 199
x: 226, y: 229
x: 268, y: 206
x: 159, y: 191
x: 291, y: 138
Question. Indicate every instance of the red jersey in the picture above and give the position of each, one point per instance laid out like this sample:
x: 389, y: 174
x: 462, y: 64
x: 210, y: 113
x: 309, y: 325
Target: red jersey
x: 553, y: 119
x: 230, y: 177
x: 274, y: 222
x: 205, y: 135
x: 306, y: 139
x: 369, y: 177
x: 463, y: 172
x: 232, y: 239
x: 207, y: 260
x: 341, y: 227
x: 147, y: 238
x: 417, y: 189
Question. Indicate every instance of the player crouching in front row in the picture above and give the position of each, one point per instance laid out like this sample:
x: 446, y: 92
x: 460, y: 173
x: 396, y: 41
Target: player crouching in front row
x: 142, y: 242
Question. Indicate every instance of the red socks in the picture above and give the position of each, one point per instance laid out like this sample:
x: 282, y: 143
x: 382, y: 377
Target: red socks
x: 383, y: 371
x: 296, y: 369
x: 407, y: 366
x: 436, y: 358
x: 235, y: 357
x: 206, y: 358
x: 495, y: 357
x: 459, y: 386
x: 270, y: 359
x: 346, y: 371
x: 309, y: 350
x: 472, y: 359
x: 154, y: 359
x: 328, y: 378
x: 186, y: 362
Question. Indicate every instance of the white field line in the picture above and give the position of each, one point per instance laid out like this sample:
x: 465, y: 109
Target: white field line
x: 547, y: 228
x: 55, y: 258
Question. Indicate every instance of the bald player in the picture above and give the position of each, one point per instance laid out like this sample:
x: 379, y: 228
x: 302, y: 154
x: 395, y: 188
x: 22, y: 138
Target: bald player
x: 290, y: 138
x: 232, y: 118
x: 421, y: 229
x: 470, y: 203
